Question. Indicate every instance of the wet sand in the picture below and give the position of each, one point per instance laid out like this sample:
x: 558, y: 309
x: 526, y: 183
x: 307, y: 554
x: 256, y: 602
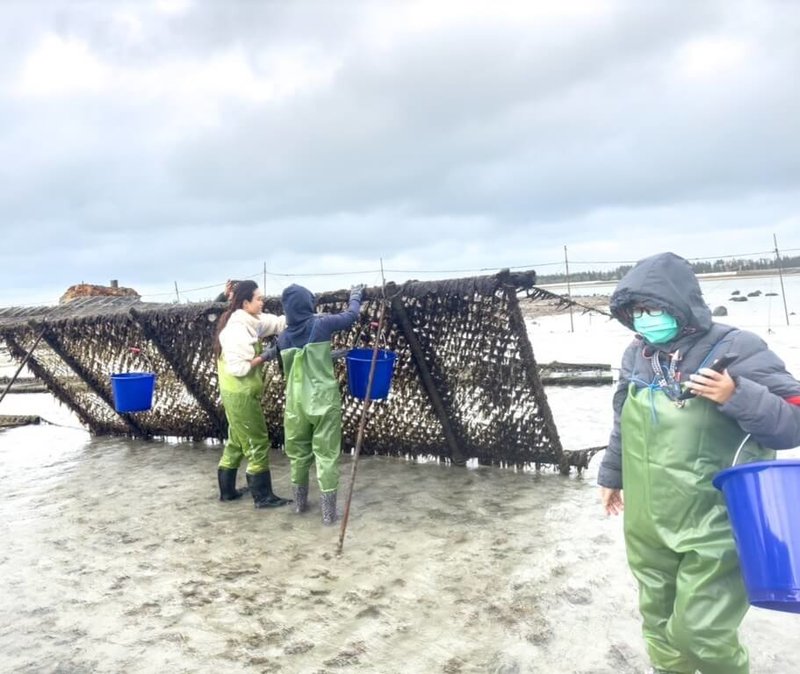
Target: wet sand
x: 118, y: 557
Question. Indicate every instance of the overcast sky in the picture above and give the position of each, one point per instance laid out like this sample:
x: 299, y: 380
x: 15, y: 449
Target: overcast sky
x: 192, y: 141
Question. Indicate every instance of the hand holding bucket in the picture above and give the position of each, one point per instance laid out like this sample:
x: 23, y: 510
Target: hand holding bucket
x: 762, y: 500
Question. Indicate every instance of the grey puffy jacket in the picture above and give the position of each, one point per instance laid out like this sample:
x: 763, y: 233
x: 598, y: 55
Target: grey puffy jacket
x: 766, y: 402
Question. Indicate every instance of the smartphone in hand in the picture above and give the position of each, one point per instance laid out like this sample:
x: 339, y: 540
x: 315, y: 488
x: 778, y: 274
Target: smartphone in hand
x: 718, y: 365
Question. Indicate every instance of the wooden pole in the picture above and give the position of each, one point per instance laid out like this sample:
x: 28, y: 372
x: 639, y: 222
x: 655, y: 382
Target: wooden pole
x: 780, y: 274
x: 90, y: 379
x: 22, y: 364
x: 360, y: 437
x: 55, y: 387
x: 400, y: 316
x: 363, y: 421
x: 569, y: 291
x: 184, y: 374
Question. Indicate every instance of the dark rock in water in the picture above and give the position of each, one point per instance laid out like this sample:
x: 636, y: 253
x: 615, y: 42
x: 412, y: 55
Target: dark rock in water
x: 735, y: 292
x: 719, y: 311
x: 755, y: 293
x: 771, y: 294
x: 739, y: 299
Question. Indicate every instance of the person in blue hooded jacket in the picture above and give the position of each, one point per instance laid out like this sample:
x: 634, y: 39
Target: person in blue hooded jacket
x: 664, y: 451
x: 313, y: 417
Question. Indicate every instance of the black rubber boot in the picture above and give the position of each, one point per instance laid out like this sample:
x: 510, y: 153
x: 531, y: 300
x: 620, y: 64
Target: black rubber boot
x: 261, y: 486
x: 227, y: 484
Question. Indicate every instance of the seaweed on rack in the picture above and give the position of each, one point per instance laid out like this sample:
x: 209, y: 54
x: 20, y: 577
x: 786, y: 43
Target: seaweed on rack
x: 466, y: 384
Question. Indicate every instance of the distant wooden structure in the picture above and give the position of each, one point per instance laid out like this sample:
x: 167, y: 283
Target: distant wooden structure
x: 575, y: 374
x: 14, y: 420
x: 23, y: 385
x: 466, y: 384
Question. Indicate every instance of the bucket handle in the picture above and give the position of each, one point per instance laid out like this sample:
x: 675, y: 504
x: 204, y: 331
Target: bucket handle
x: 739, y: 450
x: 137, y: 351
x: 365, y: 331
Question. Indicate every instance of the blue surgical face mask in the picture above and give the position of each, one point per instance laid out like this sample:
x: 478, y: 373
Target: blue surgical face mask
x: 658, y: 329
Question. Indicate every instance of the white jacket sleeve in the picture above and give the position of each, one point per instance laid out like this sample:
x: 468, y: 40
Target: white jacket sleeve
x: 237, y: 349
x: 269, y: 324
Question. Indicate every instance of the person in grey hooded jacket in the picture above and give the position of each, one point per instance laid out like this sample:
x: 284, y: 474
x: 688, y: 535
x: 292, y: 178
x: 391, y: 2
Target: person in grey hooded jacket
x: 665, y: 448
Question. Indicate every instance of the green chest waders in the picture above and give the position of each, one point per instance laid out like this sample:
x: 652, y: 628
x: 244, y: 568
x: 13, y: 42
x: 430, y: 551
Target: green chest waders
x: 313, y: 418
x: 247, y: 429
x: 678, y: 538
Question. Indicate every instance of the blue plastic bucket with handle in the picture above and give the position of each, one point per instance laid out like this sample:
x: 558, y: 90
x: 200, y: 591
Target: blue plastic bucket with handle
x: 763, y: 500
x: 133, y: 391
x: 358, y: 365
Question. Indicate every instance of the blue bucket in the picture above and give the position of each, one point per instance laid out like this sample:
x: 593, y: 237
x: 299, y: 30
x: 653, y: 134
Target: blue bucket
x: 763, y: 501
x: 358, y: 365
x: 133, y: 391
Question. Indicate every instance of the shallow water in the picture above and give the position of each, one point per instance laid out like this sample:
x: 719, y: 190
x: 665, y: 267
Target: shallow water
x: 118, y: 557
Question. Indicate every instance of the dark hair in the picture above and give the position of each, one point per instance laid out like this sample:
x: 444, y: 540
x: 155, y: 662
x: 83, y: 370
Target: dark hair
x: 243, y: 292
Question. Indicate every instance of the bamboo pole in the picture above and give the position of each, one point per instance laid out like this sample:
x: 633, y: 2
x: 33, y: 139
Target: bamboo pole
x: 780, y: 275
x: 363, y: 421
x: 361, y: 425
x: 569, y: 290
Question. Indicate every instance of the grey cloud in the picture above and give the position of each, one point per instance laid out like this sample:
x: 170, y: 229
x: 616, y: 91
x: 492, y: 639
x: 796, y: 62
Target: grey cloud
x: 488, y: 135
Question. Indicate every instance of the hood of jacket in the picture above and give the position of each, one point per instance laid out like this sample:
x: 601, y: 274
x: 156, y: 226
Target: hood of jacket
x: 664, y: 281
x: 299, y: 306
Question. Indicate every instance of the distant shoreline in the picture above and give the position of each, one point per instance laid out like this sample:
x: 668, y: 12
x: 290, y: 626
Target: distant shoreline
x: 745, y: 273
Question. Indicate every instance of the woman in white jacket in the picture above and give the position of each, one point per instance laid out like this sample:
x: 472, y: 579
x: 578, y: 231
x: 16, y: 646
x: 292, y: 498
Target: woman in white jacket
x: 240, y: 366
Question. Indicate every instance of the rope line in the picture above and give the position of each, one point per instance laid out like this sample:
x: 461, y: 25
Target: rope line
x: 466, y: 269
x: 462, y: 270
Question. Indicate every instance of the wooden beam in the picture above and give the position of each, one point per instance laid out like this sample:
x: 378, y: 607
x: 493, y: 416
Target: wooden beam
x: 52, y: 383
x: 518, y: 327
x: 400, y: 315
x: 91, y: 381
x: 185, y: 376
x: 21, y: 365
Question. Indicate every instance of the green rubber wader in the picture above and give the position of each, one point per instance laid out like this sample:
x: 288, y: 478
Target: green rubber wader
x: 247, y: 429
x: 313, y: 417
x: 679, y: 541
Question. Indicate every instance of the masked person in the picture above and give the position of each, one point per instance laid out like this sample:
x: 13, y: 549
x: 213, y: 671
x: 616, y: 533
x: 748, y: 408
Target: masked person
x: 664, y: 450
x: 240, y: 359
x: 313, y: 417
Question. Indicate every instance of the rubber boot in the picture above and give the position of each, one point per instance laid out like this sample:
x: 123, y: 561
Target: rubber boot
x: 327, y: 502
x: 300, y: 493
x: 226, y: 477
x: 261, y: 486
